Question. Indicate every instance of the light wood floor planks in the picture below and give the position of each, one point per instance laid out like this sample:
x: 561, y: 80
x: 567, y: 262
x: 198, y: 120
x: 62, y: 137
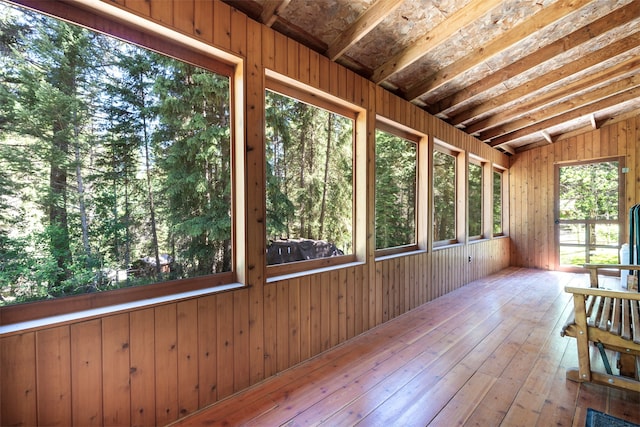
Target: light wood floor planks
x: 488, y: 354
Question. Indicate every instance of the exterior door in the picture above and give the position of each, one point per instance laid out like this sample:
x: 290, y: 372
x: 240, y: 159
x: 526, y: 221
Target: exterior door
x: 589, y: 213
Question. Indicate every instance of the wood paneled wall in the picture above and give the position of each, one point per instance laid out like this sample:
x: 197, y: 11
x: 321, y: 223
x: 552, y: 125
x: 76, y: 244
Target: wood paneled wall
x: 532, y: 181
x: 153, y: 365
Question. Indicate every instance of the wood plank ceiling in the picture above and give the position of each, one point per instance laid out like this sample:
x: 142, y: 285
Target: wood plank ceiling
x: 514, y: 73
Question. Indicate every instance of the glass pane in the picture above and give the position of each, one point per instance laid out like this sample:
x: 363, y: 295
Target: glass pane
x: 115, y: 163
x: 604, y: 256
x: 572, y: 234
x: 309, y: 171
x: 444, y: 196
x: 605, y: 234
x: 589, y: 191
x: 497, y: 203
x: 395, y: 191
x: 475, y: 200
x: 572, y: 255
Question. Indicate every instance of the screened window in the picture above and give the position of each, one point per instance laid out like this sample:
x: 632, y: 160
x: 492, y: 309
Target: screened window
x: 444, y: 195
x: 475, y: 196
x: 309, y: 170
x: 114, y: 163
x: 497, y: 203
x: 396, y: 166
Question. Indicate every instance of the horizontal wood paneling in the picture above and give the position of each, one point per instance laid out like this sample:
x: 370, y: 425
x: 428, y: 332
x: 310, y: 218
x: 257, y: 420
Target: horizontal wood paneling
x: 532, y: 183
x: 154, y: 365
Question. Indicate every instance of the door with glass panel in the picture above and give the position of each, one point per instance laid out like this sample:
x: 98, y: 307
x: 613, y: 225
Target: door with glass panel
x: 589, y: 213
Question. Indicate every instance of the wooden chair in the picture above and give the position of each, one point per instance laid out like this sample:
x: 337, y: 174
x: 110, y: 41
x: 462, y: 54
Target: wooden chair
x: 610, y: 320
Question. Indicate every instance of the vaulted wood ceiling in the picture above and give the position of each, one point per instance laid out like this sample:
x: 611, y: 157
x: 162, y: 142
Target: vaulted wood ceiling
x: 514, y: 73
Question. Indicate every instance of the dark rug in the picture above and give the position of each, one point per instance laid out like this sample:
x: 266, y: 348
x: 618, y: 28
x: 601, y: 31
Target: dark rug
x: 598, y: 419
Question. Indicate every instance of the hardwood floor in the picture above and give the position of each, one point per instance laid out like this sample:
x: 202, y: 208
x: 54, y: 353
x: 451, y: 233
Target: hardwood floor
x: 488, y: 354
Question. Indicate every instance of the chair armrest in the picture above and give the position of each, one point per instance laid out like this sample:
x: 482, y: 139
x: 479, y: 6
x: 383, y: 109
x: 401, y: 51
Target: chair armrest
x: 628, y: 295
x: 593, y: 270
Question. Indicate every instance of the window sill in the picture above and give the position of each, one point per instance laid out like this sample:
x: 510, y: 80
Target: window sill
x: 401, y: 254
x: 447, y: 246
x: 297, y: 274
x: 61, y: 319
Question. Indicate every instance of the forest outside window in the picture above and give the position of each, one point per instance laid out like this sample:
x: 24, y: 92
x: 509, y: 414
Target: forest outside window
x: 310, y: 175
x: 475, y: 199
x: 498, y: 177
x: 115, y: 163
x: 445, y: 193
x: 396, y: 190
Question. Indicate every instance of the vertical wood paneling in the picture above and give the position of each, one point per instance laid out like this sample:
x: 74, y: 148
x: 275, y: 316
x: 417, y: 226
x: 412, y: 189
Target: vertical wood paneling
x: 53, y: 368
x: 143, y: 370
x: 207, y: 344
x: 86, y: 373
x: 187, y: 340
x: 115, y: 370
x: 18, y: 385
x: 166, y: 357
x: 224, y: 324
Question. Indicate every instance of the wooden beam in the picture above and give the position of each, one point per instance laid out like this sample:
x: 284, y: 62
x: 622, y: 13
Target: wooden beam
x: 631, y: 65
x: 509, y: 38
x: 362, y: 26
x: 571, y: 115
x: 441, y: 32
x: 582, y: 35
x: 270, y: 11
x: 589, y: 98
x: 547, y: 136
x: 594, y: 122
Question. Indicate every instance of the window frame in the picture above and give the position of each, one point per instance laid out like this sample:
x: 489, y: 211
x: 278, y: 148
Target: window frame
x: 459, y: 197
x: 114, y: 22
x: 291, y: 88
x: 421, y: 186
x: 473, y: 160
x: 503, y: 217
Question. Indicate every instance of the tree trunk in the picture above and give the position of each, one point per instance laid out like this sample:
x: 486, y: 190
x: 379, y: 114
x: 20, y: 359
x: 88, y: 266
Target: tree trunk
x: 326, y: 177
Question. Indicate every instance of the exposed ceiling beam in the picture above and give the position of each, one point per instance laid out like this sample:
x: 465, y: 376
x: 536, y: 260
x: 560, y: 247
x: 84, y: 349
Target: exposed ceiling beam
x: 570, y: 115
x: 590, y: 60
x: 362, y: 26
x: 594, y: 123
x: 441, y: 32
x: 510, y: 114
x: 480, y: 54
x: 586, y: 99
x: 547, y: 136
x: 588, y: 32
x: 270, y: 11
x: 508, y: 149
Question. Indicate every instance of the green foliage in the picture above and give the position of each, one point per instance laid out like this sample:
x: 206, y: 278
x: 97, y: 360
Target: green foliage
x: 309, y: 172
x: 475, y: 200
x: 444, y: 196
x: 108, y: 154
x: 395, y: 191
x: 497, y: 202
x: 589, y: 191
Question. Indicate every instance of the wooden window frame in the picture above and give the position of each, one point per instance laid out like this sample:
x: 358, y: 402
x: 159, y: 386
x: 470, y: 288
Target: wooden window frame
x: 293, y: 89
x: 114, y: 22
x: 503, y: 197
x: 422, y: 193
x: 473, y: 160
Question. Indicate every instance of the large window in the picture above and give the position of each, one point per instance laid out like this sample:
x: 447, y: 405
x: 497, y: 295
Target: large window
x: 498, y: 228
x: 114, y: 163
x: 444, y: 195
x: 475, y: 197
x: 310, y: 173
x: 395, y: 199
